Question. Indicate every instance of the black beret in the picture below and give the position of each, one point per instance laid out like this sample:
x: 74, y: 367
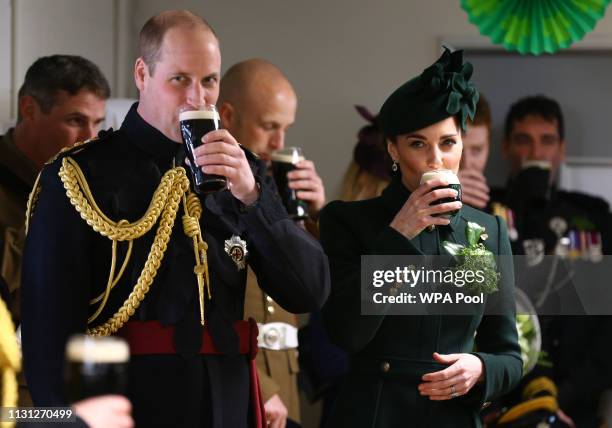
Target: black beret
x: 441, y: 91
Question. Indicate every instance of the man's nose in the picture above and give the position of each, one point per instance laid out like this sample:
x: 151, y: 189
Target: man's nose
x: 197, y: 95
x: 277, y: 142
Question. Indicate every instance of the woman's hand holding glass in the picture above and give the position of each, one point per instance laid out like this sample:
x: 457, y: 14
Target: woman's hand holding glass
x: 455, y: 380
x: 418, y: 213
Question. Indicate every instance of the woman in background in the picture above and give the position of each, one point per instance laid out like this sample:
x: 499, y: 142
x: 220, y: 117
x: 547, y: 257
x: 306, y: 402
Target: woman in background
x: 368, y: 173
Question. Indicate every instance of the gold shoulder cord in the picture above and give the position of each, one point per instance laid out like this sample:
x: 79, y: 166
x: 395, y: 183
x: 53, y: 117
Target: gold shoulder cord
x: 9, y: 360
x: 173, y: 188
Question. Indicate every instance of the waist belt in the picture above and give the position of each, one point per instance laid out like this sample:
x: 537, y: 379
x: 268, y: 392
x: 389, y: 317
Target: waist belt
x: 277, y: 336
x: 152, y: 338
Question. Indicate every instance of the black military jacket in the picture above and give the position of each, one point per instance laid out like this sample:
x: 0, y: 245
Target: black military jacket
x: 66, y: 264
x: 577, y: 346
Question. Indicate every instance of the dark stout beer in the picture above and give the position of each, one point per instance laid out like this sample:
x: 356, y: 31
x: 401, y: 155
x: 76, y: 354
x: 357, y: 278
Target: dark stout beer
x: 96, y: 366
x: 284, y: 161
x: 453, y: 183
x: 194, y: 125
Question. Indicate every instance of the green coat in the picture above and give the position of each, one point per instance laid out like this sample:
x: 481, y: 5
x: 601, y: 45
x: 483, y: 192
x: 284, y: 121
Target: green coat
x: 389, y: 354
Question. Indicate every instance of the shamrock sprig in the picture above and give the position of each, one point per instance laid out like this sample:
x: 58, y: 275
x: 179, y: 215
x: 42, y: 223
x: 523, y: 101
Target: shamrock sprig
x: 475, y: 257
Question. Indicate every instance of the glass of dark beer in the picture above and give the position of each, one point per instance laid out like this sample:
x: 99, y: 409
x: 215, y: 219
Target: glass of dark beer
x: 453, y: 183
x: 284, y: 161
x: 195, y: 122
x: 96, y: 366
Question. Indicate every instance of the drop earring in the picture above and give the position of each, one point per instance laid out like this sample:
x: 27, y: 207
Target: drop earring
x: 394, y: 166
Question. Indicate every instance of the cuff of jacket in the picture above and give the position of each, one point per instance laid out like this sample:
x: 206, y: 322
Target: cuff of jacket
x: 268, y: 207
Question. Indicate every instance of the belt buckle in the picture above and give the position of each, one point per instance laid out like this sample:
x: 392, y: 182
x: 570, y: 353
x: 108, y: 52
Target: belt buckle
x: 274, y: 338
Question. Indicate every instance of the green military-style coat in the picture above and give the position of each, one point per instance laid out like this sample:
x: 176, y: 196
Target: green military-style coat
x: 389, y: 354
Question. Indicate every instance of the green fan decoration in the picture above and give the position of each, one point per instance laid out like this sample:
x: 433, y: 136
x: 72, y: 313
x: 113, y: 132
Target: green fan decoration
x: 535, y: 26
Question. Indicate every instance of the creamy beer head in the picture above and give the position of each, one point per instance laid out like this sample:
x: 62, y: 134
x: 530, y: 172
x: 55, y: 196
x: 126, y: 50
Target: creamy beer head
x: 291, y: 155
x: 97, y: 350
x: 543, y: 164
x: 453, y: 183
x: 199, y: 114
x: 446, y: 174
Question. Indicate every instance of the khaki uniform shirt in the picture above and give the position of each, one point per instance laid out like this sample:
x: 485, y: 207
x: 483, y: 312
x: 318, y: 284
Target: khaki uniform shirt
x: 17, y: 176
x: 277, y: 369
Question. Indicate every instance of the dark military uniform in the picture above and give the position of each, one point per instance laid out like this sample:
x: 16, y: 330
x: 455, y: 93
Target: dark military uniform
x: 570, y: 225
x: 390, y: 354
x: 66, y: 264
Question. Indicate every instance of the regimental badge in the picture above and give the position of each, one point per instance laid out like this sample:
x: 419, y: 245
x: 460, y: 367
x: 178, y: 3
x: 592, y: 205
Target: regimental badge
x: 534, y: 250
x: 236, y: 248
x: 558, y: 225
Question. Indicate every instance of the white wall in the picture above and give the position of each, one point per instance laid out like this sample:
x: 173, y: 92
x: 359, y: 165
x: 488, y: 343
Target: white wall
x: 6, y: 52
x: 30, y: 29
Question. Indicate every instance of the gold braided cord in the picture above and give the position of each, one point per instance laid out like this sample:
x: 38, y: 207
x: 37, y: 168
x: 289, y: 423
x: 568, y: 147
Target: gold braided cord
x: 163, y: 206
x: 191, y: 226
x: 75, y: 185
x: 10, y: 359
x: 32, y: 202
x: 119, y: 275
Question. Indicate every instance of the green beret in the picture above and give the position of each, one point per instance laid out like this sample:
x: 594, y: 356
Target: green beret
x: 442, y: 90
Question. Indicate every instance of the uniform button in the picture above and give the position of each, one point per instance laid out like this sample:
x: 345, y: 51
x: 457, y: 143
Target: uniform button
x: 270, y: 309
x: 385, y: 366
x: 269, y: 299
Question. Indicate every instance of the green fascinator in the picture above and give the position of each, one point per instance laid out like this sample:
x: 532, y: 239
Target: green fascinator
x: 442, y: 90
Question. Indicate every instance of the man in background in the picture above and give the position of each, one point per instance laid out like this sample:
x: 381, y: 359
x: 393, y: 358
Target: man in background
x: 545, y: 220
x: 257, y: 104
x: 62, y: 101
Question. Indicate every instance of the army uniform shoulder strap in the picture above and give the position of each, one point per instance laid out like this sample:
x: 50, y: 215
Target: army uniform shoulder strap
x: 75, y: 148
x: 82, y: 145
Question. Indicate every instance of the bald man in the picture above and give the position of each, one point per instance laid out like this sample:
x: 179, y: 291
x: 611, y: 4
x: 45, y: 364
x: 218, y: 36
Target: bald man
x: 257, y: 105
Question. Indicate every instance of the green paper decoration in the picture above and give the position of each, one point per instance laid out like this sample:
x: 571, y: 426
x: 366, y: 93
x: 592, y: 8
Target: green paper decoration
x: 535, y: 26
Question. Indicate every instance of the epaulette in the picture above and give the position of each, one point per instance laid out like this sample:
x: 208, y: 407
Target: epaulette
x: 586, y: 201
x: 81, y: 145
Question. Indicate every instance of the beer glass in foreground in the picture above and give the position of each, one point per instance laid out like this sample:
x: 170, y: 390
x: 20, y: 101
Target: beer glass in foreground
x: 96, y: 366
x: 284, y: 161
x: 195, y: 123
x: 453, y: 183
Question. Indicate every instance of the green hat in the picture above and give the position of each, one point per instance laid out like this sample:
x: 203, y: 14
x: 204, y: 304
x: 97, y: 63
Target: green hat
x: 442, y: 90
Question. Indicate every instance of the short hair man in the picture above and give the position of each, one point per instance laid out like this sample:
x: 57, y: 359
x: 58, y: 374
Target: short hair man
x: 546, y: 218
x: 257, y: 104
x: 180, y: 275
x: 61, y: 101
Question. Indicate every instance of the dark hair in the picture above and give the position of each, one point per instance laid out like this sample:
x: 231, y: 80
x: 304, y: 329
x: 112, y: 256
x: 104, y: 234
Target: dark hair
x: 538, y: 105
x: 370, y: 153
x: 51, y: 74
x: 153, y: 32
x: 483, y: 113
